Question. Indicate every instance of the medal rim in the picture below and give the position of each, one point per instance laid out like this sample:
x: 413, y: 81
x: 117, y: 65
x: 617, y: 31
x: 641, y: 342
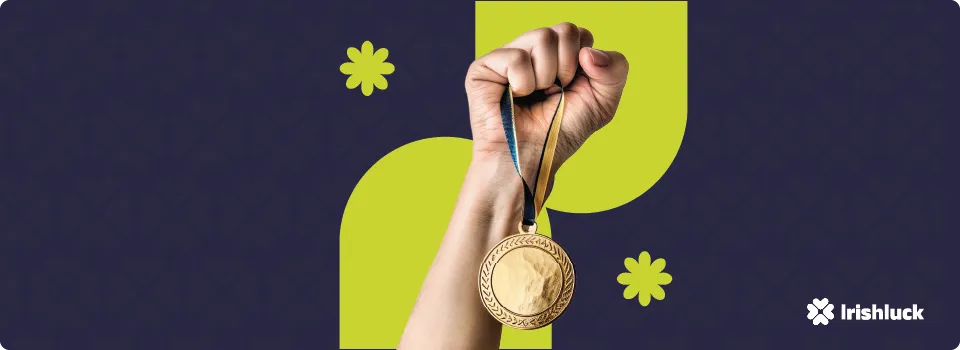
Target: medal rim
x: 548, y: 315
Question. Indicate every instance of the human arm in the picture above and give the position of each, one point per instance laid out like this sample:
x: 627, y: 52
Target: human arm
x: 448, y: 313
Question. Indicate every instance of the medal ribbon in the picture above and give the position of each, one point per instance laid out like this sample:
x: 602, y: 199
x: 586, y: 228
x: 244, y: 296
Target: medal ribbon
x: 532, y: 199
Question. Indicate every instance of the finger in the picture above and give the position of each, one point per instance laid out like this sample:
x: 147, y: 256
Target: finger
x: 542, y: 46
x: 586, y: 38
x: 568, y: 48
x: 607, y: 71
x: 503, y: 66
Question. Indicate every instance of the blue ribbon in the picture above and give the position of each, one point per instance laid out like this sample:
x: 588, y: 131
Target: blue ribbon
x: 509, y: 128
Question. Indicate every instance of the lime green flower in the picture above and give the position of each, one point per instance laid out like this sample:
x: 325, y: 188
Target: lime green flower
x: 367, y: 68
x: 644, y: 278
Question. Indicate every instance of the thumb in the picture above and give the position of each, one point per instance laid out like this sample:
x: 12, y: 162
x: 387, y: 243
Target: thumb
x: 607, y: 71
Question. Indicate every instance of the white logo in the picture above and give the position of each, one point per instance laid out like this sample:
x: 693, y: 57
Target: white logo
x: 1, y: 345
x: 820, y: 311
x: 1, y: 4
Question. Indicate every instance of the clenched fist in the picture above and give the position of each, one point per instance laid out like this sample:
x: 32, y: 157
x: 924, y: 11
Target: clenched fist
x: 592, y: 79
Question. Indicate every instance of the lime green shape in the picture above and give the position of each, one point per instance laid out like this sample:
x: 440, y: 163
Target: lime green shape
x: 391, y: 230
x: 643, y: 279
x: 367, y: 68
x: 628, y: 156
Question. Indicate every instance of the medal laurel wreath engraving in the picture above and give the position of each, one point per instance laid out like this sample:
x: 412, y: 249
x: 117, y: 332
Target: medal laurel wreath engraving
x: 526, y: 280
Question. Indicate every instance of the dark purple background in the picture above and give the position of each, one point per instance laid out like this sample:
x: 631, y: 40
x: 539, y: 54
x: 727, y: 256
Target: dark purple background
x: 172, y: 173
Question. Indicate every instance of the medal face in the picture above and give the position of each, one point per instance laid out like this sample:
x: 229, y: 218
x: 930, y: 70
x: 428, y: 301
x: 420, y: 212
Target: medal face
x: 526, y: 281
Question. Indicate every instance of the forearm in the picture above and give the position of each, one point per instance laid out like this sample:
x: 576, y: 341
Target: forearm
x: 448, y: 313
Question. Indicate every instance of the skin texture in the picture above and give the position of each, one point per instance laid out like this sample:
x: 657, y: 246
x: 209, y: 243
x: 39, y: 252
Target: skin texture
x: 448, y: 313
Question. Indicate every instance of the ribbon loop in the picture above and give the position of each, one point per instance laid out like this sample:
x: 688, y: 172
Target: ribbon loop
x: 532, y: 198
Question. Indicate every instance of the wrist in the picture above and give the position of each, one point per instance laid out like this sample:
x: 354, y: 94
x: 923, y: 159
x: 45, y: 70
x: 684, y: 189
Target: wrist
x: 529, y: 164
x: 503, y: 162
x: 492, y: 179
x: 493, y: 174
x: 493, y: 193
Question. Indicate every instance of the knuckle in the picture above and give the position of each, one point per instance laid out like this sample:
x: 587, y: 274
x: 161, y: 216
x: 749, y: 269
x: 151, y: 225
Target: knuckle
x: 567, y: 29
x: 473, y: 73
x: 516, y: 56
x: 545, y: 36
x: 472, y: 67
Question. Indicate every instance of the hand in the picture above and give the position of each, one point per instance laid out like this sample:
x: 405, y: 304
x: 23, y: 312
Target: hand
x: 531, y: 64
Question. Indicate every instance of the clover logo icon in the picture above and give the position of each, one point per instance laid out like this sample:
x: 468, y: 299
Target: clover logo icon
x: 820, y: 311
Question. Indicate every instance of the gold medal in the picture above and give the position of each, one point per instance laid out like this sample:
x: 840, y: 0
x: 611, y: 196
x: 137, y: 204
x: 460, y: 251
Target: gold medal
x: 526, y: 281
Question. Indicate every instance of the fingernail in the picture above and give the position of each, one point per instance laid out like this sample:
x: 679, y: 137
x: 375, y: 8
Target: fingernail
x: 600, y: 58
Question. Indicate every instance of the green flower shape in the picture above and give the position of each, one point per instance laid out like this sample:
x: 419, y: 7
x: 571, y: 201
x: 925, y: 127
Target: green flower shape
x: 644, y: 278
x: 367, y: 68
